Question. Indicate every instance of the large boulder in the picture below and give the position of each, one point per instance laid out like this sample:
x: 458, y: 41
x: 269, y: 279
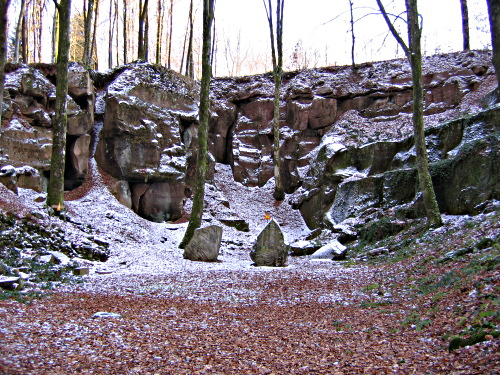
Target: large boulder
x: 205, y: 244
x: 270, y: 248
x: 332, y: 251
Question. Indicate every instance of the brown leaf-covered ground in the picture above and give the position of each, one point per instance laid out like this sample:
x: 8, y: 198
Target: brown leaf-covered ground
x: 308, y: 318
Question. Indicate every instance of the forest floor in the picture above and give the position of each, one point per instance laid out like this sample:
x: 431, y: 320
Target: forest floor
x: 392, y: 314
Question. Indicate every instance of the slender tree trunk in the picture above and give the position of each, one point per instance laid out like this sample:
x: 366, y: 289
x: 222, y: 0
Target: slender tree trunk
x: 201, y: 164
x: 117, y: 35
x: 142, y: 23
x: 414, y: 54
x: 110, y: 40
x: 4, y: 7
x: 277, y: 57
x: 17, y: 40
x: 494, y: 16
x: 189, y: 56
x: 146, y: 36
x: 87, y: 32
x: 93, y: 47
x: 54, y: 36
x: 171, y: 12
x: 213, y: 53
x: 60, y: 121
x: 424, y: 177
x: 353, y: 62
x: 465, y: 24
x: 125, y: 5
x: 159, y: 31
x: 24, y: 40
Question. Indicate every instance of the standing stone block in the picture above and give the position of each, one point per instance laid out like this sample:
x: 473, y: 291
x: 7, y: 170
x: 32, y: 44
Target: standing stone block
x: 205, y: 244
x: 270, y: 248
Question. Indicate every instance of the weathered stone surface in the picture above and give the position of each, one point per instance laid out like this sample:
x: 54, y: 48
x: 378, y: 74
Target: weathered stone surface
x: 158, y: 201
x: 81, y: 271
x: 205, y: 244
x: 345, y: 182
x: 79, y: 154
x: 27, y: 133
x: 270, y: 248
x: 304, y: 247
x: 332, y: 251
x: 235, y: 222
x: 314, y: 103
x: 9, y: 282
x: 140, y: 140
x: 121, y: 190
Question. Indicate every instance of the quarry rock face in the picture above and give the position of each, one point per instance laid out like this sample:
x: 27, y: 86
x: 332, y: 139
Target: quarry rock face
x: 345, y: 135
x: 146, y: 139
x: 464, y: 165
x: 27, y: 124
x: 370, y: 104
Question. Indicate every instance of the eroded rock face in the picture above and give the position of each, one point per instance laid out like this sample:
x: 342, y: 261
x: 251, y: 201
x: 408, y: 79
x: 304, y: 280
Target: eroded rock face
x: 369, y: 105
x: 27, y: 125
x: 345, y: 182
x: 147, y: 138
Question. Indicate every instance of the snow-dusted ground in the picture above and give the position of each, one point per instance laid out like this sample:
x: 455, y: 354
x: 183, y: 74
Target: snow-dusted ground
x: 139, y: 246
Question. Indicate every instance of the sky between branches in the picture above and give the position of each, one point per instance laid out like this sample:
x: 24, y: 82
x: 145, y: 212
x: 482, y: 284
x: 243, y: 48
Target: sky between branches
x: 318, y: 30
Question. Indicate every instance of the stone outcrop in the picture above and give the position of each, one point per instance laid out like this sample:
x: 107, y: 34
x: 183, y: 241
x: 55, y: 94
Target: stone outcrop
x: 205, y: 244
x: 270, y: 248
x: 373, y: 103
x: 147, y: 138
x: 345, y: 182
x: 346, y: 142
x: 332, y: 251
x: 26, y: 128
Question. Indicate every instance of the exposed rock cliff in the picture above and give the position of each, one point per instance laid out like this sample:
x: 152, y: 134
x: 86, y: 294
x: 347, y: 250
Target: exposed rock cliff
x: 346, y: 135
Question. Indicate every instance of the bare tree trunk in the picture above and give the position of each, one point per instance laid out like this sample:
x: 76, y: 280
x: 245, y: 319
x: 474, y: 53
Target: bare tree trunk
x: 125, y: 5
x: 93, y: 47
x: 17, y: 40
x: 201, y: 164
x: 117, y: 35
x: 4, y: 7
x: 143, y: 10
x: 88, y: 12
x: 213, y: 53
x: 189, y: 56
x: 146, y: 36
x: 171, y: 11
x: 24, y: 40
x: 54, y: 36
x: 110, y: 40
x: 414, y: 54
x: 465, y: 24
x: 353, y: 63
x: 494, y: 16
x: 60, y: 121
x: 277, y: 57
x: 184, y: 49
x: 159, y: 31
